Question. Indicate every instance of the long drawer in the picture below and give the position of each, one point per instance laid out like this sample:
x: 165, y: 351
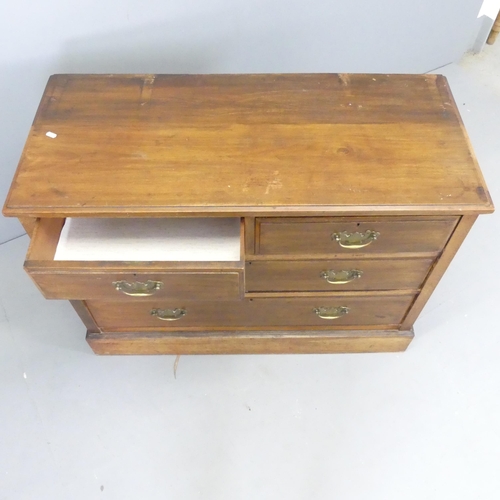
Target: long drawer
x: 129, y: 280
x: 341, y: 235
x: 335, y: 275
x: 333, y: 311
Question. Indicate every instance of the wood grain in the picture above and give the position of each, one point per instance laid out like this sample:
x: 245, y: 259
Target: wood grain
x: 28, y: 224
x: 264, y: 313
x: 295, y: 236
x: 245, y: 143
x: 249, y: 235
x: 265, y: 342
x: 44, y: 239
x: 85, y: 315
x: 64, y: 284
x: 381, y: 274
x: 439, y: 269
x: 80, y: 280
x: 297, y: 157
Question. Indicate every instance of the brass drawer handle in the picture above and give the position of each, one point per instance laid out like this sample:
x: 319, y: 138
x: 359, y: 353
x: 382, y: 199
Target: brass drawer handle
x: 138, y: 288
x: 341, y: 277
x: 169, y: 314
x: 355, y: 240
x: 331, y: 312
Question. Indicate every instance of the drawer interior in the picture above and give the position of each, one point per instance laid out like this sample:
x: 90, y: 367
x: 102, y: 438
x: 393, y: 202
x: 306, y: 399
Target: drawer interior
x: 138, y: 240
x: 163, y: 239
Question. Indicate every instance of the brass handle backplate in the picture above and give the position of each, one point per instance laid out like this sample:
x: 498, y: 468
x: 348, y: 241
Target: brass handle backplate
x: 341, y: 277
x: 355, y: 240
x: 138, y: 288
x: 331, y: 312
x: 169, y: 314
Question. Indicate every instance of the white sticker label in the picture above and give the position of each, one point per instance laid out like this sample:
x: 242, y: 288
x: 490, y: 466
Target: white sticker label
x: 51, y: 135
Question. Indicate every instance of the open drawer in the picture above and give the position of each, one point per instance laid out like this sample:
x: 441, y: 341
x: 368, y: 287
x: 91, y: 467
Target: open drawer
x: 137, y: 259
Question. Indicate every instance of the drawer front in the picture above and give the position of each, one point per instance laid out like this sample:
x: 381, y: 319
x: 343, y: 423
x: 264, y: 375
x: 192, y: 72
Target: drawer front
x: 349, y: 235
x: 136, y: 286
x: 328, y: 312
x: 334, y: 275
x: 113, y: 280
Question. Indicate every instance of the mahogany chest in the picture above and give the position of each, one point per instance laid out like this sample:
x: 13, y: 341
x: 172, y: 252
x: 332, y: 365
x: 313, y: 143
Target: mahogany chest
x: 245, y: 213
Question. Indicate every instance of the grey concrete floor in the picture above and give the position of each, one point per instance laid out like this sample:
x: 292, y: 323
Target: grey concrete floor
x: 424, y: 424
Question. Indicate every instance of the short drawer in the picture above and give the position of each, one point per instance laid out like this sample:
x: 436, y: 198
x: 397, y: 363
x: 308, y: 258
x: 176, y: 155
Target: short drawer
x: 267, y: 313
x: 341, y: 235
x: 137, y: 280
x: 335, y: 275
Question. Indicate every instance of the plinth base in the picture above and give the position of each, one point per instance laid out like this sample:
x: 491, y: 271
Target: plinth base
x: 260, y: 342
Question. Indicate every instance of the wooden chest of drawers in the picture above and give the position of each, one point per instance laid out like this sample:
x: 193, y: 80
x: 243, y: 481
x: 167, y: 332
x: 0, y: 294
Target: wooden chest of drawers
x: 245, y: 213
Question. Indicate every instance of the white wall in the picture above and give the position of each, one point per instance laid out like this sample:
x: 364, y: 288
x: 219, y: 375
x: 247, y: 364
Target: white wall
x: 210, y: 36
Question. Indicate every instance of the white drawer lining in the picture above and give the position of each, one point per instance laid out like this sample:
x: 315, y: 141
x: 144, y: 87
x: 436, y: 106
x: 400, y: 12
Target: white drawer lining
x: 164, y: 239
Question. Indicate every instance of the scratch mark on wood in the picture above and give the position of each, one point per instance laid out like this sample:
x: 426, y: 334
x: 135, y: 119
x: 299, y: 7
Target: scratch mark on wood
x: 344, y: 78
x: 147, y: 89
x: 274, y: 183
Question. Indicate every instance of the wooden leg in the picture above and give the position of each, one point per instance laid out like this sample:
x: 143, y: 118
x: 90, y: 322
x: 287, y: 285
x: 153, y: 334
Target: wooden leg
x: 494, y: 31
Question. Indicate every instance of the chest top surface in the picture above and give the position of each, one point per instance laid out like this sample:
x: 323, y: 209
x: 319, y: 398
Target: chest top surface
x: 250, y: 144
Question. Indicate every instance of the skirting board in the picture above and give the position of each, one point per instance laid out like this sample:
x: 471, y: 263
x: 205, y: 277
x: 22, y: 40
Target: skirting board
x: 275, y: 342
